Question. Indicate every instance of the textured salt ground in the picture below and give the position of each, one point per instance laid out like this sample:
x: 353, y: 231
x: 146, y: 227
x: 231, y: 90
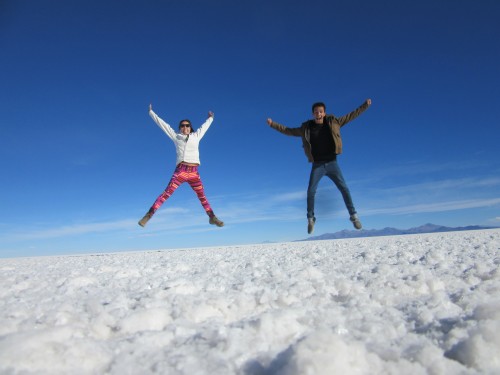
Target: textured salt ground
x: 416, y: 304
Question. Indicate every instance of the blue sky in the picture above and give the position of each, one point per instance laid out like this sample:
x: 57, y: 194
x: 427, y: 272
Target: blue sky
x: 82, y: 161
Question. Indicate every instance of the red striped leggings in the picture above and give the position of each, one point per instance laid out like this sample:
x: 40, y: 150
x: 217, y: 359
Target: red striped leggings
x: 184, y: 173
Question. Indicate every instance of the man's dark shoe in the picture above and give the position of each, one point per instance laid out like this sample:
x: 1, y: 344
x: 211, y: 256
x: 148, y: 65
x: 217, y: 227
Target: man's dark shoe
x: 355, y: 221
x: 310, y: 225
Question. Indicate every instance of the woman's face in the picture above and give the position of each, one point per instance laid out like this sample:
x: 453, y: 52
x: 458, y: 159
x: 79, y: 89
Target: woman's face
x: 185, y: 128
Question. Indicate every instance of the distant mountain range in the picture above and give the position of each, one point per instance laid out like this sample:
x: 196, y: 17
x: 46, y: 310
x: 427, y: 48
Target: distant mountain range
x: 427, y: 228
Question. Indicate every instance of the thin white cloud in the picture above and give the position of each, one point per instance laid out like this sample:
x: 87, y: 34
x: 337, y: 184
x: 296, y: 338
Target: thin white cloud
x: 419, y: 168
x: 291, y: 196
x: 434, y: 207
x: 283, y: 206
x: 77, y: 229
x: 417, y: 198
x: 443, y: 186
x: 85, y: 228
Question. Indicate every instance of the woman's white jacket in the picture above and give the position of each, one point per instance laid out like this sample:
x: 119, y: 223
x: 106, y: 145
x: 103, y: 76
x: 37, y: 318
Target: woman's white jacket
x: 186, y: 146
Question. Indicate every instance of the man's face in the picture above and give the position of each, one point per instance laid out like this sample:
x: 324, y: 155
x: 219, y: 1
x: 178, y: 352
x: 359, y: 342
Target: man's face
x: 319, y: 114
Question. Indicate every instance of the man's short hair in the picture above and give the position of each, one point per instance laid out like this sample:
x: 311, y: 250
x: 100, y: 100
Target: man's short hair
x: 319, y: 104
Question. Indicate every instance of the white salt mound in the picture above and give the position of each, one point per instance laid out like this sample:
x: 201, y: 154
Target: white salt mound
x: 417, y: 304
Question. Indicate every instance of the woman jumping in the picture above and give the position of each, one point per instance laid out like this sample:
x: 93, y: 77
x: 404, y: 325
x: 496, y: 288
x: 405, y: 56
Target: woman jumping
x: 188, y: 159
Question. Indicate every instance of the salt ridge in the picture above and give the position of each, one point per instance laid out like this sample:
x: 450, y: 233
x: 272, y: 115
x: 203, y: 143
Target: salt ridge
x: 415, y: 304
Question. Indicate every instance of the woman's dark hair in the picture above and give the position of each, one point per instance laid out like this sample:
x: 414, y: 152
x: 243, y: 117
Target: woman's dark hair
x: 318, y: 104
x: 189, y: 122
